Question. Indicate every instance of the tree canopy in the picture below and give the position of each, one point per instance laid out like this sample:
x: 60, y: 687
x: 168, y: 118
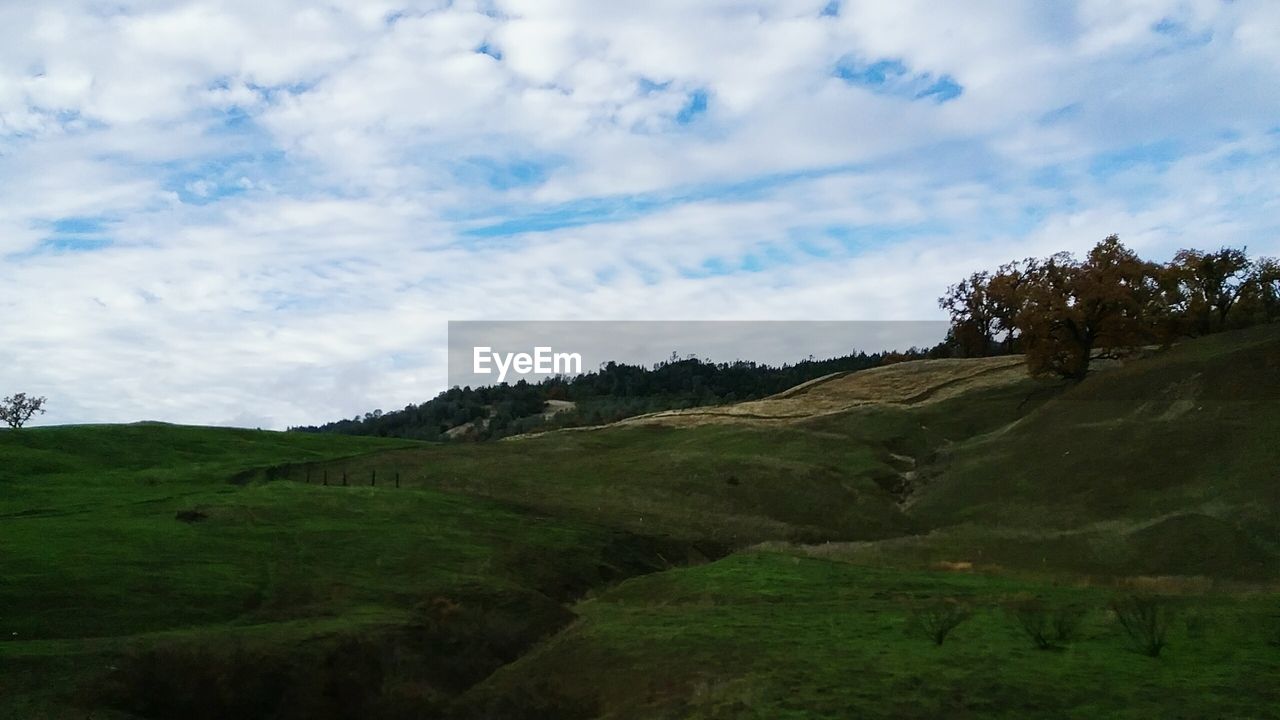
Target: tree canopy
x: 1063, y: 312
x: 17, y: 409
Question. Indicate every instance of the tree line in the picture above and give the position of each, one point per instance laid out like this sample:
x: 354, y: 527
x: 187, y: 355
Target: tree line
x: 612, y: 392
x: 1063, y: 312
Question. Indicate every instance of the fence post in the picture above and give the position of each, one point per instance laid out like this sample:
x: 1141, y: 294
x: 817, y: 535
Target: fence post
x: 344, y: 478
x: 308, y: 474
x: 326, y: 477
x: 373, y: 477
x: 397, y: 478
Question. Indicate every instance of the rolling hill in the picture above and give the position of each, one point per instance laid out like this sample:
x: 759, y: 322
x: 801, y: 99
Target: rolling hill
x: 763, y: 559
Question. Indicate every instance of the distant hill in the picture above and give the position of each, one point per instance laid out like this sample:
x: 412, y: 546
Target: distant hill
x: 972, y: 459
x: 610, y: 393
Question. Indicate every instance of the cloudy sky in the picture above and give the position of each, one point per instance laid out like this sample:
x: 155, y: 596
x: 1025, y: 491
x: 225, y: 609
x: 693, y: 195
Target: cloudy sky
x: 264, y: 212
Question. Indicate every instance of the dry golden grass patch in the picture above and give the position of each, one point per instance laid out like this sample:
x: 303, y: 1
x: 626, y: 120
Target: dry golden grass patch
x: 908, y: 383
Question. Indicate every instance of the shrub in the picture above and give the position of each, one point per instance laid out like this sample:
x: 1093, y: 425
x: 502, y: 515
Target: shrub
x: 936, y: 620
x: 1146, y: 620
x: 1047, y: 627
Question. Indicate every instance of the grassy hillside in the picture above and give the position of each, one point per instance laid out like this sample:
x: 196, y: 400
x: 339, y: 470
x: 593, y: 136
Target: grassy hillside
x: 723, y: 487
x: 1190, y: 430
x: 826, y: 462
x: 99, y: 563
x: 155, y: 571
x: 766, y: 635
x: 1161, y: 465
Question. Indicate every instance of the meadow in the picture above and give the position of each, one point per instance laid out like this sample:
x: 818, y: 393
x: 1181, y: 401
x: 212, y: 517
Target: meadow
x: 732, y: 567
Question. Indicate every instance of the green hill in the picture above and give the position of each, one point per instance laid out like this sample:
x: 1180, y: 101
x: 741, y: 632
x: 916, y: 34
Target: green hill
x: 767, y: 635
x: 788, y: 545
x: 141, y: 572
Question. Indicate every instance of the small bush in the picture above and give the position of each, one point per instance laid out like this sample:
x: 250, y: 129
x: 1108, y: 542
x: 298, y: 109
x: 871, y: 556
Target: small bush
x: 1146, y: 620
x: 936, y: 620
x: 1048, y: 627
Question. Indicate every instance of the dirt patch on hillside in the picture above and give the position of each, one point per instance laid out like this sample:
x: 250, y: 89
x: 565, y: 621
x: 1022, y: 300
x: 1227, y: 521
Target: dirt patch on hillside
x: 555, y: 407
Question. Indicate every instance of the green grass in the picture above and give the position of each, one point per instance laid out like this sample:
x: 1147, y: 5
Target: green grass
x: 385, y: 602
x: 774, y: 636
x: 723, y: 486
x: 1187, y: 544
x: 1190, y: 430
x: 95, y: 560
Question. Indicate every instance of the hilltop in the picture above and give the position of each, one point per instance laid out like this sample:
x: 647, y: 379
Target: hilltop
x: 612, y: 392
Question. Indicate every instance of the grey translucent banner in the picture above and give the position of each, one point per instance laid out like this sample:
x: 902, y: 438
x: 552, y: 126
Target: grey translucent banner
x: 491, y: 352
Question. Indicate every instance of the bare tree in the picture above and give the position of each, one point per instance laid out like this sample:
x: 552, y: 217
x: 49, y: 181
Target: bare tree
x: 937, y: 619
x: 17, y: 409
x: 1048, y: 627
x: 1146, y: 619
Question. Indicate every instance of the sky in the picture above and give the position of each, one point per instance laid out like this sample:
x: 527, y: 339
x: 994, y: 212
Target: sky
x: 264, y: 213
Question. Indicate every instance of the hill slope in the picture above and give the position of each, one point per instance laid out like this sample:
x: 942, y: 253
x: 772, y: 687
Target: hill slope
x: 355, y: 577
x: 1189, y: 431
x: 145, y: 570
x: 1172, y: 449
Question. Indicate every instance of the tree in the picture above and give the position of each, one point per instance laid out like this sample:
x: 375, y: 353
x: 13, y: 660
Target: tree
x: 1007, y: 297
x: 972, y: 322
x: 1211, y: 284
x: 1146, y: 620
x: 1047, y: 627
x: 936, y: 620
x: 17, y: 409
x: 1073, y: 308
x: 985, y: 307
x: 1062, y: 312
x: 1260, y: 300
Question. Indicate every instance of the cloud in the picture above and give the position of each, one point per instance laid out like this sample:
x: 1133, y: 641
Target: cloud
x: 265, y: 213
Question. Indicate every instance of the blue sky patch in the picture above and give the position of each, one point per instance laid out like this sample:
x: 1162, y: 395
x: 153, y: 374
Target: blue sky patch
x: 695, y: 105
x: 942, y: 90
x: 650, y: 87
x: 892, y: 77
x: 202, y: 183
x: 875, y: 74
x: 514, y: 220
x: 502, y: 173
x: 78, y: 225
x: 72, y: 244
x: 1181, y: 35
x: 1157, y: 154
x: 1061, y: 114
